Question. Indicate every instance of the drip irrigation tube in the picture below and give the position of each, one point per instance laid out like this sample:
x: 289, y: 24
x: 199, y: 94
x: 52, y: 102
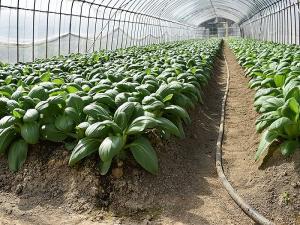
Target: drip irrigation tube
x: 251, y: 212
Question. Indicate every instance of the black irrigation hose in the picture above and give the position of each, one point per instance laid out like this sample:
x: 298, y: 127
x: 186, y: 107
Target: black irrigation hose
x: 251, y: 212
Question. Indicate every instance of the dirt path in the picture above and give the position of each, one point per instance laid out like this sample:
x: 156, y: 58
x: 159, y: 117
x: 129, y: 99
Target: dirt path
x: 263, y: 187
x: 188, y: 186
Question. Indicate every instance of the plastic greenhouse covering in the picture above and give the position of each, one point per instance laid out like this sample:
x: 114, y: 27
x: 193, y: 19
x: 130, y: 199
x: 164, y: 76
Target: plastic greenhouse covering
x: 31, y: 29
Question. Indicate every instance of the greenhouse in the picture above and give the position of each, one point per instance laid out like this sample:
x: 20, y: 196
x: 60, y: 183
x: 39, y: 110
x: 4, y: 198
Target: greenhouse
x: 149, y: 112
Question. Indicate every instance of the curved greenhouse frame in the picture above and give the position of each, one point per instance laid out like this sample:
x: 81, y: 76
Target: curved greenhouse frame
x: 40, y: 29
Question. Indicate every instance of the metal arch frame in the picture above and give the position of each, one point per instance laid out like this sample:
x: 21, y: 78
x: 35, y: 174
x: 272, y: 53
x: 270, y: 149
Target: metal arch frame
x: 151, y: 17
x: 151, y: 22
x: 95, y: 29
x: 125, y: 16
x: 147, y: 19
x: 108, y: 23
x: 139, y: 16
x: 100, y: 39
x: 115, y: 16
x: 178, y: 3
x: 114, y: 22
x: 33, y: 28
x: 79, y: 27
x: 265, y: 6
x: 134, y: 13
x: 70, y: 26
x: 47, y: 27
x: 154, y: 8
x: 208, y: 16
x: 252, y: 9
x: 119, y: 24
x: 18, y: 49
x: 154, y: 25
x: 160, y: 15
x: 88, y: 26
x: 140, y: 22
x: 149, y: 7
x: 129, y: 22
x: 59, y: 29
x: 184, y: 10
x: 279, y: 15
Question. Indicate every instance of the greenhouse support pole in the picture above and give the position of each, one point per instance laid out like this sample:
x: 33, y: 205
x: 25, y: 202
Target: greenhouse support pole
x: 123, y: 4
x: 102, y: 25
x: 291, y: 22
x: 277, y: 26
x: 108, y: 23
x: 119, y: 24
x: 33, y: 29
x: 135, y: 22
x: 47, y: 27
x: 296, y: 4
x: 18, y: 15
x: 88, y: 26
x: 95, y: 28
x: 79, y: 26
x: 59, y: 27
x: 126, y: 22
x: 70, y: 26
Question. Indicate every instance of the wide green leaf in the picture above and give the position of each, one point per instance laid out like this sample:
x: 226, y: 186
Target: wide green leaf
x: 289, y: 147
x: 17, y: 154
x: 142, y: 123
x: 144, y: 154
x: 64, y: 123
x: 178, y: 111
x: 85, y: 147
x: 98, y: 130
x: 104, y: 167
x: 167, y: 125
x: 110, y: 147
x: 291, y: 109
x: 97, y: 112
x: 75, y: 102
x: 31, y: 115
x: 266, y: 140
x: 51, y: 133
x: 30, y: 131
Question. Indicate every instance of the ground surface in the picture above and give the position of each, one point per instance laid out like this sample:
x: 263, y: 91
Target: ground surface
x: 187, y: 189
x: 273, y: 188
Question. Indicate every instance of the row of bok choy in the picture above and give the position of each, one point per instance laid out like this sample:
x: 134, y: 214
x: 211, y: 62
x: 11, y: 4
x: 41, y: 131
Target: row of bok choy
x: 103, y: 103
x: 274, y: 71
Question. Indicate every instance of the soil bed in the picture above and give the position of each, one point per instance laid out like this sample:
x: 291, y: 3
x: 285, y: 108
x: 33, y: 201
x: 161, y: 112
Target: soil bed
x: 273, y: 188
x: 186, y: 190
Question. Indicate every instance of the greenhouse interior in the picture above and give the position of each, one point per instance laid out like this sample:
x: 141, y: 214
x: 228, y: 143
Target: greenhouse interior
x: 150, y: 112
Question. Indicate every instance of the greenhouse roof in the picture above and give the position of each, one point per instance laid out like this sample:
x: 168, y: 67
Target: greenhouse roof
x: 193, y: 12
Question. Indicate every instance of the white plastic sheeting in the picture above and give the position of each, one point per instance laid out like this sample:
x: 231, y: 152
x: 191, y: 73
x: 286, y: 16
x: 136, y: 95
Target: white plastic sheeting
x: 32, y: 29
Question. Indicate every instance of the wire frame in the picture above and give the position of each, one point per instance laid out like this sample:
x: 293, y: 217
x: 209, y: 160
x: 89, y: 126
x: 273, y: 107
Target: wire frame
x: 45, y: 28
x: 31, y: 29
x: 280, y: 22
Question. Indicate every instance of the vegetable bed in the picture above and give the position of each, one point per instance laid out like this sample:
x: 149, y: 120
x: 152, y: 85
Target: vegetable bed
x: 274, y: 70
x: 105, y: 102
